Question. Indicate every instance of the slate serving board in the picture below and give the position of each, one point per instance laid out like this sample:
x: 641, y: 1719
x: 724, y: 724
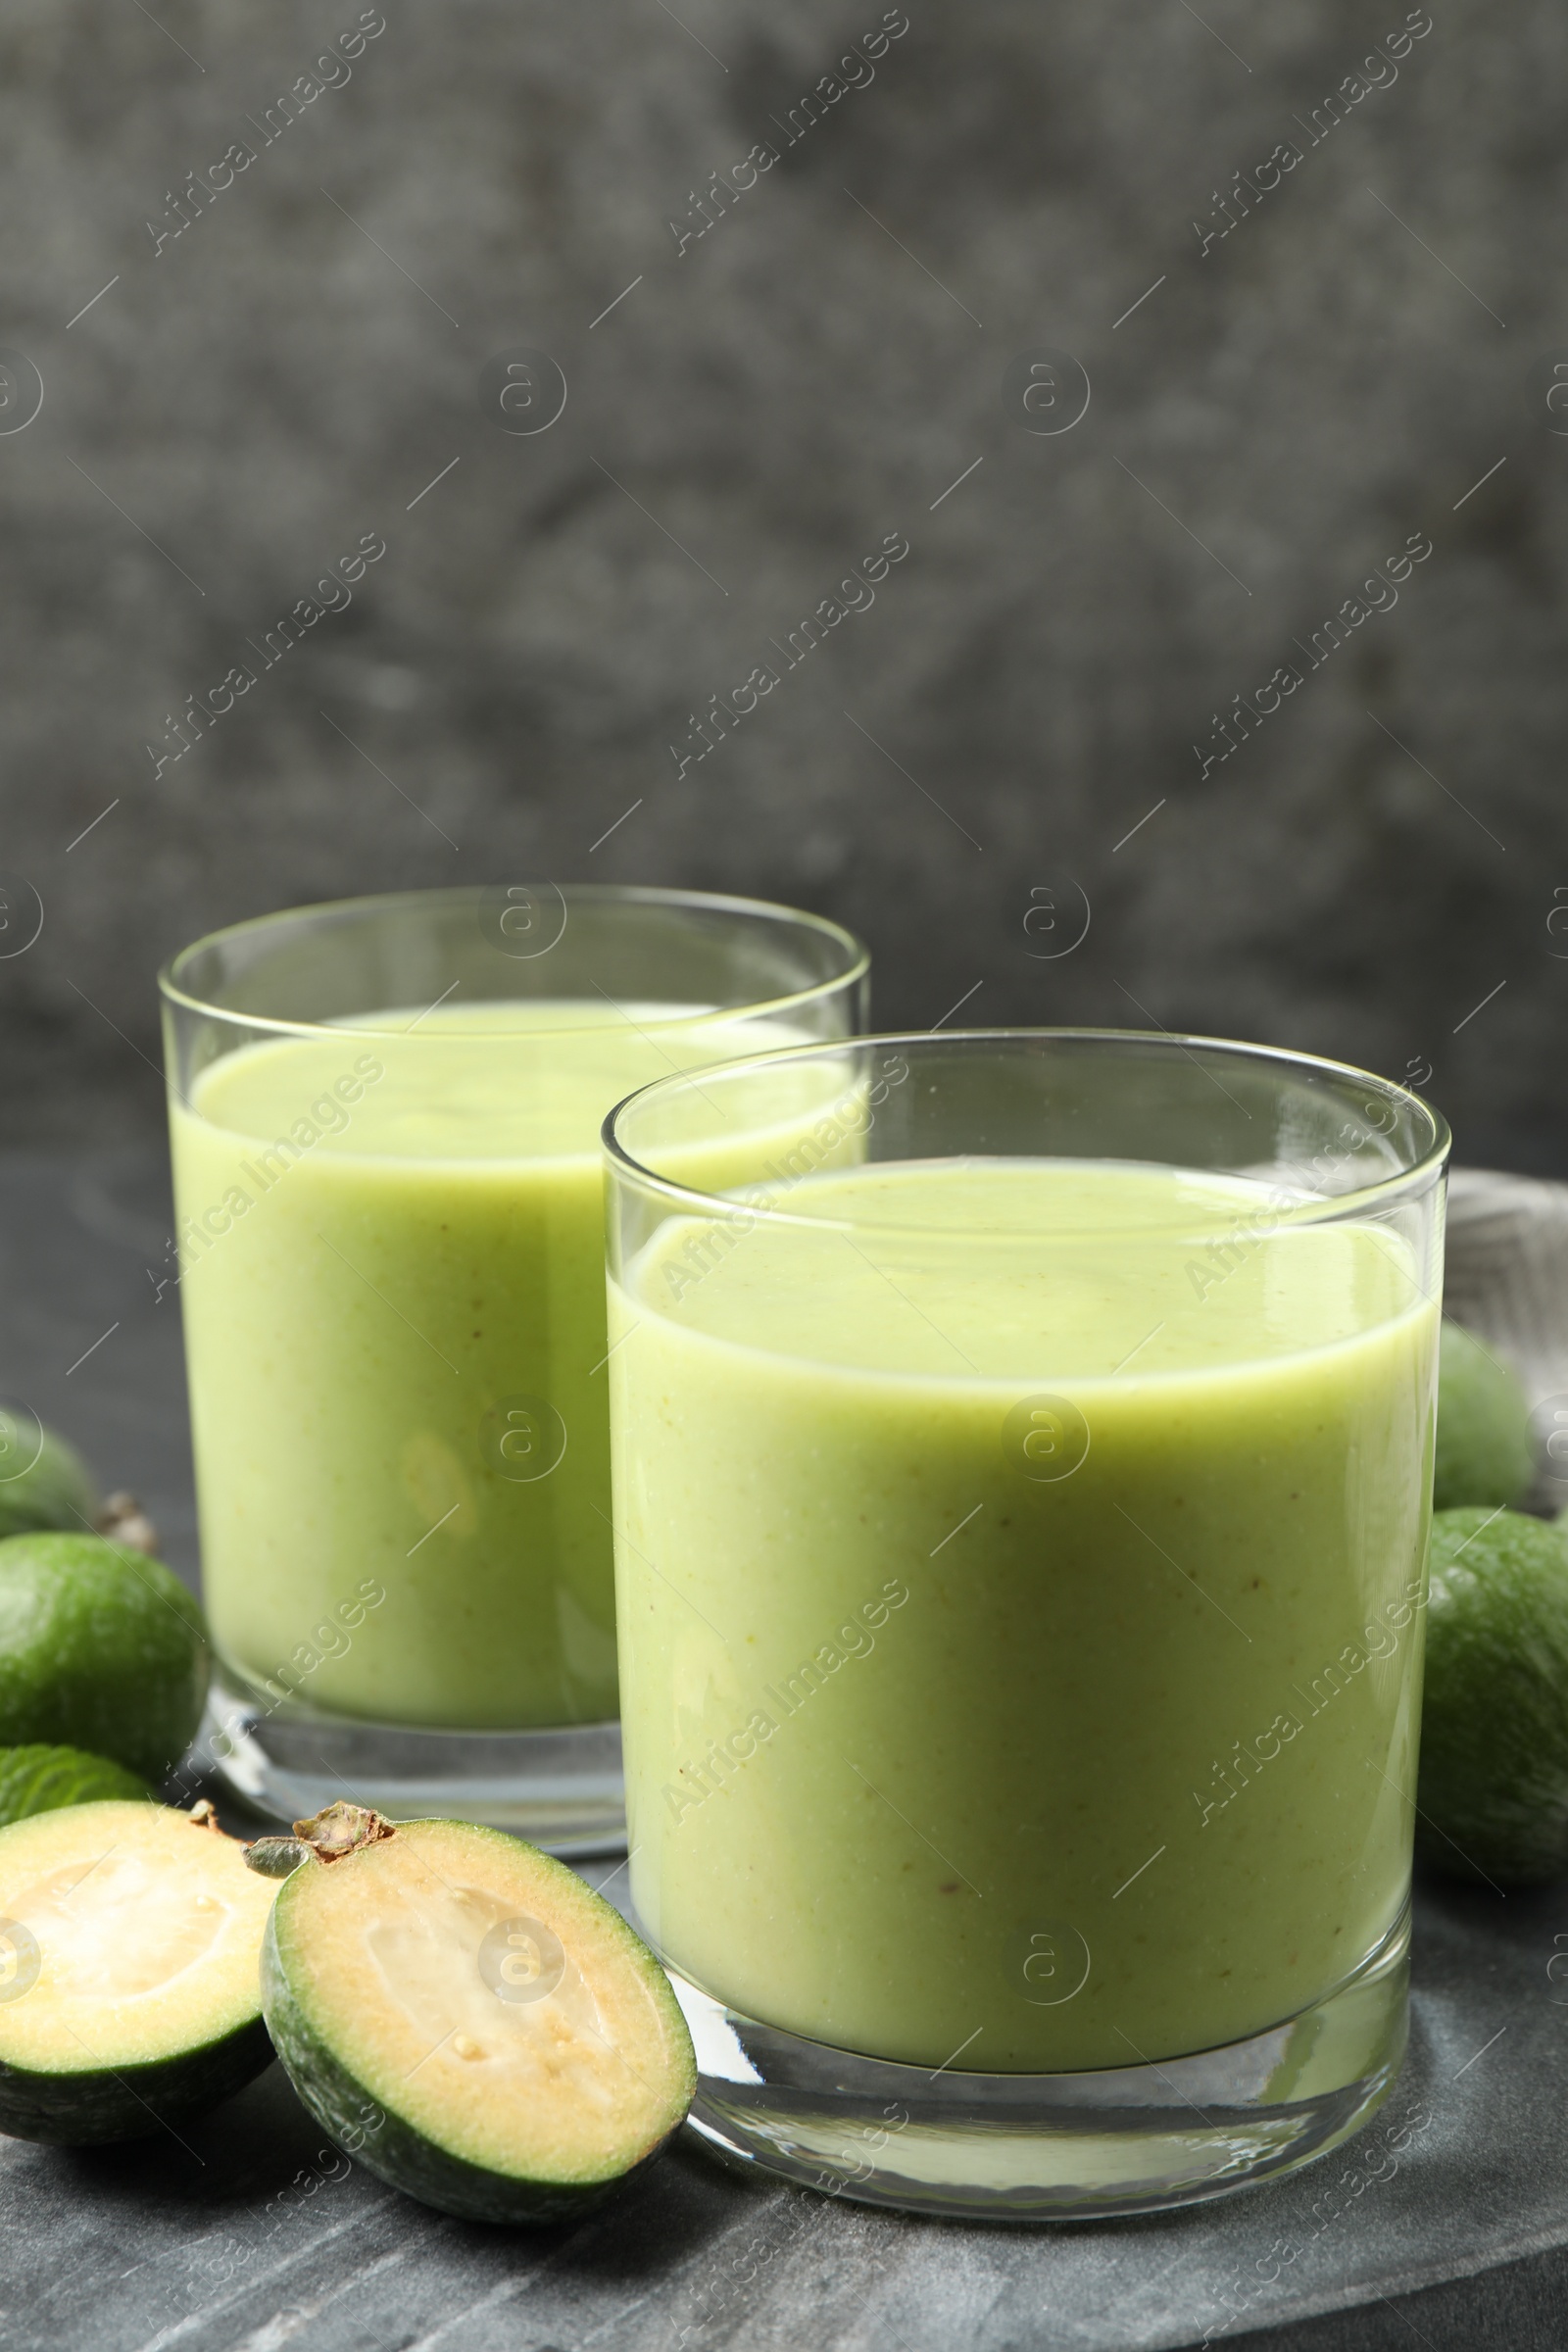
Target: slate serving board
x: 1446, y: 2223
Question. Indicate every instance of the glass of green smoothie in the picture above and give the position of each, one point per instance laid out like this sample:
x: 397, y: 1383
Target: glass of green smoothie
x: 385, y: 1122
x: 1022, y: 1489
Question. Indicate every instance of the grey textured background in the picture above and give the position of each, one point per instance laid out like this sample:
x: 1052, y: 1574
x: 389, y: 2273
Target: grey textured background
x: 1274, y: 417
x: 239, y: 407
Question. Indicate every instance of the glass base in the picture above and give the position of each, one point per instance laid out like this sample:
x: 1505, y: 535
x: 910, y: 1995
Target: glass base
x: 1041, y: 2147
x: 560, y: 1788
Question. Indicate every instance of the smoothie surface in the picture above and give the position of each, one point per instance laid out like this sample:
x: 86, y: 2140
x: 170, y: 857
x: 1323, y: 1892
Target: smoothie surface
x: 518, y: 1080
x: 1016, y: 1268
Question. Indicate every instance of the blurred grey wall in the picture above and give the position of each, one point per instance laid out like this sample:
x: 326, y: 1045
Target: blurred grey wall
x: 814, y: 286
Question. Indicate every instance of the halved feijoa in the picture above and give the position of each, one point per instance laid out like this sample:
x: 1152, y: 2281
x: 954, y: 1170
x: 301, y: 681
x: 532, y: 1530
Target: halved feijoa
x: 130, y: 1981
x: 468, y: 2018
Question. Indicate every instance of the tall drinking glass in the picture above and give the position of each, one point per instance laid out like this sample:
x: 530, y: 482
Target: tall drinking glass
x: 385, y: 1117
x: 1023, y: 1491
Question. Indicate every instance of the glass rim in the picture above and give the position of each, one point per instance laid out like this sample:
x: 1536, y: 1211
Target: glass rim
x: 858, y: 956
x: 1310, y: 1208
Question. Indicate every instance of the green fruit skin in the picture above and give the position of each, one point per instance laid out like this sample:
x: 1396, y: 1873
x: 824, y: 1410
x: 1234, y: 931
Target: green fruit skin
x: 41, y: 1780
x: 82, y: 2110
x: 386, y: 2144
x: 1486, y: 1450
x: 58, y: 1490
x: 1494, y: 1783
x: 100, y: 1649
x: 390, y: 2146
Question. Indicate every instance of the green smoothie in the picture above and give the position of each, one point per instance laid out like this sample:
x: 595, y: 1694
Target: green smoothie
x: 391, y: 1262
x: 1020, y: 1599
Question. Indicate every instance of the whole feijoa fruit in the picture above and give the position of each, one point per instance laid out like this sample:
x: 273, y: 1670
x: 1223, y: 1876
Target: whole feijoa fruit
x: 1485, y: 1451
x: 1493, y: 1785
x: 43, y: 1481
x: 101, y: 1648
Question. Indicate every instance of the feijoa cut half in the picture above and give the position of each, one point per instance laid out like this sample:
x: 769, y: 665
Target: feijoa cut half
x: 131, y: 1942
x: 468, y: 2018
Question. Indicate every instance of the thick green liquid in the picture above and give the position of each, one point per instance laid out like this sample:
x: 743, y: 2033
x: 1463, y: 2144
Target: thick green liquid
x: 393, y: 1255
x: 929, y: 1745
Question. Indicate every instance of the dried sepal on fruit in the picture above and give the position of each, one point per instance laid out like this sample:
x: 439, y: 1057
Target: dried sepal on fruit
x: 124, y: 1521
x: 339, y: 1828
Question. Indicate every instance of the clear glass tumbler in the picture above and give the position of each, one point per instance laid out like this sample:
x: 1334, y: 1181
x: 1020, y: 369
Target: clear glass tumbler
x: 1022, y: 1488
x: 385, y: 1117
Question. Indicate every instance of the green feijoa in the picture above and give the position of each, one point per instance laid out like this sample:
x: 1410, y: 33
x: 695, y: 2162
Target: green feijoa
x: 41, y: 1780
x: 43, y: 1481
x: 468, y: 2019
x: 1485, y: 1449
x: 130, y: 1980
x: 1493, y: 1786
x: 100, y: 1649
